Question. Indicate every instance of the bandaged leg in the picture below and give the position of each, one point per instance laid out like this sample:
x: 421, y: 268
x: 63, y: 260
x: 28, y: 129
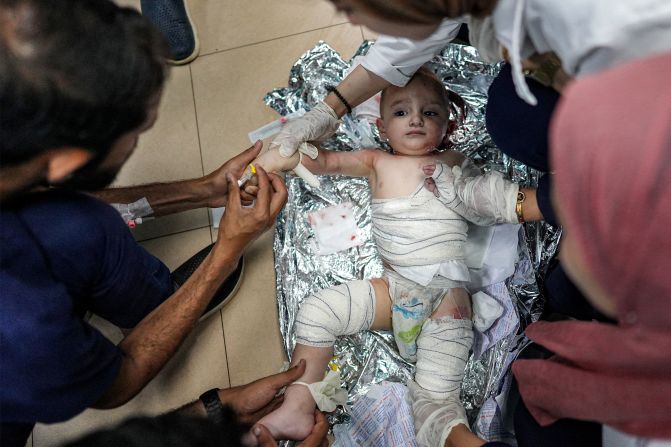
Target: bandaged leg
x: 322, y: 317
x: 330, y: 313
x: 442, y: 352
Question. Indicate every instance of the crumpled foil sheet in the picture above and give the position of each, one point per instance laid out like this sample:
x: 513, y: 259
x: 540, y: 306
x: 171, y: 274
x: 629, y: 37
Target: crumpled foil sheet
x: 371, y: 357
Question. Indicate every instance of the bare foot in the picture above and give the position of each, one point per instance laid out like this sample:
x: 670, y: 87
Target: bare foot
x: 295, y: 418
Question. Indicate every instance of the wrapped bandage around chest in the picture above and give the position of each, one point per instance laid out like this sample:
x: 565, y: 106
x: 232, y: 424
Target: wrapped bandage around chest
x: 429, y: 228
x: 417, y: 230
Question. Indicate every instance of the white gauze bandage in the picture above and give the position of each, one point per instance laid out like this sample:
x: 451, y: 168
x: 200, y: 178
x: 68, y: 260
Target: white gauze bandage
x: 129, y: 211
x: 330, y: 313
x: 442, y: 352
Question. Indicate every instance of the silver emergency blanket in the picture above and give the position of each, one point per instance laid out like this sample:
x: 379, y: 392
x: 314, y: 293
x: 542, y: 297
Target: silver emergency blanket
x: 371, y: 357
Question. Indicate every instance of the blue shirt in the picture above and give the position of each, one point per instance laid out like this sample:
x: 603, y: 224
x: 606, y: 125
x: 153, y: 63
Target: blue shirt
x: 62, y: 254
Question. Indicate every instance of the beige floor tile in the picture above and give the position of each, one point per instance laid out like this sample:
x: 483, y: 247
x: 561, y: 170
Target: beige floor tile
x: 169, y: 151
x: 229, y: 87
x: 251, y: 328
x: 200, y: 364
x: 226, y: 24
x: 175, y: 249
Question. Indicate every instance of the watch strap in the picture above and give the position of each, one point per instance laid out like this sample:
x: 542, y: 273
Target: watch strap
x: 213, y: 405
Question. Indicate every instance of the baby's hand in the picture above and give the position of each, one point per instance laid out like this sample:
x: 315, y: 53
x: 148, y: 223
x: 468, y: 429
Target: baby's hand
x: 272, y: 161
x: 430, y: 184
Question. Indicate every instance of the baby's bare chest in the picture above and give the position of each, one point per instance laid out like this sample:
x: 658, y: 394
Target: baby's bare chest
x: 399, y: 176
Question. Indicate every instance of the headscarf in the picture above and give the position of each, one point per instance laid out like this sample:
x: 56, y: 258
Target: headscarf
x: 610, y: 146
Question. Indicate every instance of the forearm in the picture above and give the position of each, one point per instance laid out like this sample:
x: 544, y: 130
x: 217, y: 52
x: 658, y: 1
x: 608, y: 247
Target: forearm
x: 357, y: 87
x: 530, y: 209
x: 164, y: 198
x: 148, y: 347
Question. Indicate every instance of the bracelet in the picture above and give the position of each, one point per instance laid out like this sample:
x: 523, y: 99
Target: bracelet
x: 332, y: 89
x: 213, y: 405
x: 518, y: 206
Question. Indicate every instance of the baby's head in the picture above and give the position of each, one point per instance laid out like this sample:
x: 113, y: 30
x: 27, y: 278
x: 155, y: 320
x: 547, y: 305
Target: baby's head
x: 415, y: 118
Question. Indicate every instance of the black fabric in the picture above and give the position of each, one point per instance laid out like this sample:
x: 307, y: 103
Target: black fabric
x: 517, y: 128
x: 14, y: 434
x: 563, y: 297
x: 563, y: 433
x: 544, y: 199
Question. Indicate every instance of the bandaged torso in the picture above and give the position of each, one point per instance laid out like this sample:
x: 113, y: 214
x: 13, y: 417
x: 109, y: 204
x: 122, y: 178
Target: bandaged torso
x: 424, y: 235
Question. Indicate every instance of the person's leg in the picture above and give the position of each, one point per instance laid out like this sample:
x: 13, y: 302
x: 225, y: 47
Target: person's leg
x: 443, y: 347
x: 330, y: 313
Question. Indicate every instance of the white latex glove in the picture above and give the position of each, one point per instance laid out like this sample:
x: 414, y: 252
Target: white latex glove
x: 316, y: 125
x: 434, y: 419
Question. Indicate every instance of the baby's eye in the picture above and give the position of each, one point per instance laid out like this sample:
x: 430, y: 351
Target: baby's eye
x: 399, y: 113
x: 430, y: 113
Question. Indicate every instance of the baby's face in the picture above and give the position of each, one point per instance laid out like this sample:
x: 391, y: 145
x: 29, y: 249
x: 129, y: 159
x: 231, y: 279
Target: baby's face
x: 414, y: 118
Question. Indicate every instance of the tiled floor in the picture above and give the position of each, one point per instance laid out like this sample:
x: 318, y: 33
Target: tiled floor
x: 247, y: 48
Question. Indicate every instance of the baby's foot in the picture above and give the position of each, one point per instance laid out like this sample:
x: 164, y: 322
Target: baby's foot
x: 295, y: 418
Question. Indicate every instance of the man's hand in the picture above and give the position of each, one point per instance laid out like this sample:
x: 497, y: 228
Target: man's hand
x: 239, y: 226
x: 315, y: 439
x: 253, y: 401
x: 216, y: 182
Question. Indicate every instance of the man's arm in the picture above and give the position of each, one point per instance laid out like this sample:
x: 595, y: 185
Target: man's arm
x: 174, y: 197
x: 155, y: 339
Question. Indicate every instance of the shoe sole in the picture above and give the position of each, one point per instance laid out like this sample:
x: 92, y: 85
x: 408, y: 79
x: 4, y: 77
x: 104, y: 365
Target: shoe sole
x: 230, y: 295
x: 196, y: 48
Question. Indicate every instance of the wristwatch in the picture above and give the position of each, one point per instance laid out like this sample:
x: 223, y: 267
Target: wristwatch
x: 518, y: 206
x: 213, y: 405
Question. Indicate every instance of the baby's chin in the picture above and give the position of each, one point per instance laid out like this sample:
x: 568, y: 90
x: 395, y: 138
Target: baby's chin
x: 414, y: 149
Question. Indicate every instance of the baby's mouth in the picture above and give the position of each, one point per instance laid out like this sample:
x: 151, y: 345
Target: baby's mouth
x: 415, y: 132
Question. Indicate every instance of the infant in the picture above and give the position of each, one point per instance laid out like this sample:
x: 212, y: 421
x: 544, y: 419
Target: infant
x: 422, y: 199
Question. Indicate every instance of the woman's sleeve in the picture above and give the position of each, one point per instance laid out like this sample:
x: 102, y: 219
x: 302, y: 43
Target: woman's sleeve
x: 396, y: 59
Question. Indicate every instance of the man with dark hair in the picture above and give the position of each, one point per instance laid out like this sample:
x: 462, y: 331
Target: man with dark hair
x: 80, y: 80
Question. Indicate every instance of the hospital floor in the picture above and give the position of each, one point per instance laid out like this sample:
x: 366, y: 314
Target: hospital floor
x: 209, y: 106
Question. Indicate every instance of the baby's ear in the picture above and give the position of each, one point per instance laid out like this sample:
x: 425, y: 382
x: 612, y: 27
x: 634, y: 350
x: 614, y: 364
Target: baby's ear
x: 451, y: 127
x: 380, y: 127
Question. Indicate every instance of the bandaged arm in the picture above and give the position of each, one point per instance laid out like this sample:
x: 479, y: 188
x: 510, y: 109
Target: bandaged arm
x: 484, y: 199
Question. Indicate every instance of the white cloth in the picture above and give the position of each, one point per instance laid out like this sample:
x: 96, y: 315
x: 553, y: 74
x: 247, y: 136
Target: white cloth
x: 588, y: 36
x: 381, y: 418
x: 396, y: 59
x: 328, y: 393
x: 335, y: 228
x: 486, y: 310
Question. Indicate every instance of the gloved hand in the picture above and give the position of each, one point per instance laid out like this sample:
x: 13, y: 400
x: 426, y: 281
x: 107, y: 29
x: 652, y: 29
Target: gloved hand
x: 316, y: 125
x: 434, y: 419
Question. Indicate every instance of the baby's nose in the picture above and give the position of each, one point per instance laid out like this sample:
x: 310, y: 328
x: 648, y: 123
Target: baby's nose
x: 416, y: 119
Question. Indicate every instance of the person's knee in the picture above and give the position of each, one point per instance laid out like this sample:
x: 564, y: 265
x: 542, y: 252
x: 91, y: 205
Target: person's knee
x: 342, y: 310
x: 455, y: 304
